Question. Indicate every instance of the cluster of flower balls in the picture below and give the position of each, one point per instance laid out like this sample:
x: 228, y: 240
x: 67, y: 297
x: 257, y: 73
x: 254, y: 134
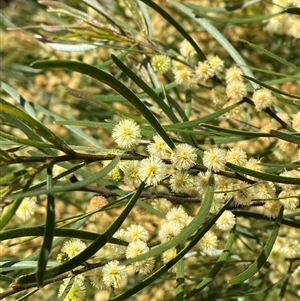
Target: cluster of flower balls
x: 165, y: 165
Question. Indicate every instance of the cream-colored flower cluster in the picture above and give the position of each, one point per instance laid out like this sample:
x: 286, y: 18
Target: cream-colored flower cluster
x: 283, y: 23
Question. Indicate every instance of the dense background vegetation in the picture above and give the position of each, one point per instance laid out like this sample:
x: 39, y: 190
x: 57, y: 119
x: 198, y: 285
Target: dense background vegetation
x: 150, y: 149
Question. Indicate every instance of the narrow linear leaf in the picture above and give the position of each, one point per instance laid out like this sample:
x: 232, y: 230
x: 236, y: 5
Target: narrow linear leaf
x: 236, y: 132
x: 287, y: 137
x: 92, y: 248
x: 146, y: 89
x: 37, y: 231
x: 242, y: 20
x: 179, y: 289
x: 111, y: 81
x: 49, y: 232
x: 263, y: 176
x: 36, y: 126
x: 221, y: 9
x: 19, y: 99
x: 272, y: 55
x: 179, y: 28
x: 8, y: 214
x: 216, y: 268
x: 69, y: 187
x: 293, y: 10
x: 28, y: 142
x: 67, y: 289
x: 262, y: 257
x: 270, y: 87
x: 110, y: 107
x: 256, y: 216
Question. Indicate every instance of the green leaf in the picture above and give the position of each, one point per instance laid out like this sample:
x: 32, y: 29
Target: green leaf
x: 236, y: 132
x: 262, y: 257
x: 36, y: 126
x: 221, y: 9
x: 49, y: 232
x: 111, y: 81
x: 91, y: 178
x: 270, y: 87
x: 293, y: 10
x: 75, y: 130
x: 216, y: 268
x: 273, y: 56
x: 287, y: 137
x: 61, y: 232
x: 28, y: 142
x: 263, y: 176
x: 179, y: 28
x: 242, y: 20
x: 137, y: 80
x: 92, y: 248
x: 179, y: 289
x: 10, y: 212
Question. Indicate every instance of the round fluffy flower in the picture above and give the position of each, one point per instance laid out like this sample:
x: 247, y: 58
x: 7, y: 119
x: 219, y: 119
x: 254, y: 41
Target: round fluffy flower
x: 136, y: 248
x: 236, y: 156
x: 184, y: 76
x: 152, y: 170
x: 168, y: 231
x: 96, y: 202
x: 291, y: 248
x: 73, y: 247
x: 262, y: 99
x: 96, y: 278
x: 276, y: 255
x: 122, y: 235
x: 217, y: 204
x: 114, y: 274
x: 272, y: 208
x: 26, y: 209
x: 159, y: 148
x: 161, y: 63
x: 226, y: 221
x: 204, y: 71
x: 181, y: 181
x: 296, y: 121
x: 233, y: 74
x: 169, y: 255
x: 127, y: 134
x: 186, y: 49
x: 254, y: 164
x: 219, y: 96
x: 144, y: 266
x: 162, y: 205
x: 131, y: 173
x: 214, y: 159
x: 184, y: 156
x: 216, y: 63
x: 290, y: 199
x: 236, y: 90
x: 242, y: 194
x: 208, y: 243
x: 296, y: 276
x: 201, y: 182
x: 77, y: 291
x: 136, y: 232
x: 265, y: 190
x: 177, y: 217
